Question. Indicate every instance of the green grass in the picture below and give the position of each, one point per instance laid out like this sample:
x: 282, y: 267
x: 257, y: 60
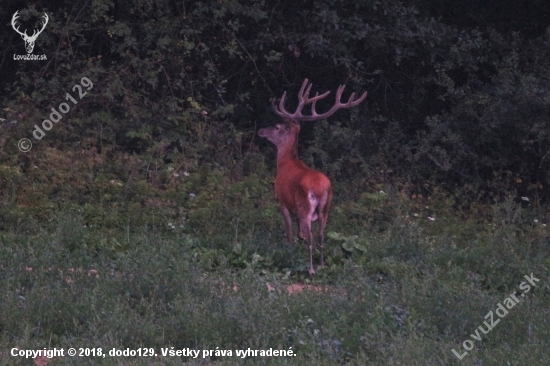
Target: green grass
x: 405, y: 294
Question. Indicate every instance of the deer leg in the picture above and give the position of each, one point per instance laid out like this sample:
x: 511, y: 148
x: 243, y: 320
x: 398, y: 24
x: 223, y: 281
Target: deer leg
x: 288, y: 223
x: 306, y: 218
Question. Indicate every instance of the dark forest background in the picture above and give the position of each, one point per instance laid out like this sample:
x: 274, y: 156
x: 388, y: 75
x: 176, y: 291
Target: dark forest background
x: 458, y: 91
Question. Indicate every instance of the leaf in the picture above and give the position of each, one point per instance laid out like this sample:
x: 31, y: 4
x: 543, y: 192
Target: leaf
x: 348, y: 246
x: 335, y: 235
x: 361, y: 247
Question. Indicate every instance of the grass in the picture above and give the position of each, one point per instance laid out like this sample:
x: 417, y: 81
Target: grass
x: 405, y: 291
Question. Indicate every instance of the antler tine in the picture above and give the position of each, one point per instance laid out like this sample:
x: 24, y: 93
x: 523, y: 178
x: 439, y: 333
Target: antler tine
x: 353, y: 103
x: 318, y: 97
x: 46, y: 18
x: 279, y: 110
x: 307, y: 86
x: 13, y: 20
x: 315, y: 99
x: 303, y: 96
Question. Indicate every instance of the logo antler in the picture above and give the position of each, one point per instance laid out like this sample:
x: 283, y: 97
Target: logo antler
x: 29, y: 40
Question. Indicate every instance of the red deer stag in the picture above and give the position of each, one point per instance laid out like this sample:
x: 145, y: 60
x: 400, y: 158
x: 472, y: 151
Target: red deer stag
x: 302, y: 191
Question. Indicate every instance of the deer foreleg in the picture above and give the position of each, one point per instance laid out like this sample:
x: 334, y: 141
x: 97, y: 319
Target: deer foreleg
x: 288, y: 223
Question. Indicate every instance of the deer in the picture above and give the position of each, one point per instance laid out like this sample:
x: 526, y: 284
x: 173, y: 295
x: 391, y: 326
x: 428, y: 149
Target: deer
x: 300, y: 190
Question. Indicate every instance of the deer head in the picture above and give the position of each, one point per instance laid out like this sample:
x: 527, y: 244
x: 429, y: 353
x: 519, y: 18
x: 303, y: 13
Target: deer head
x: 29, y: 40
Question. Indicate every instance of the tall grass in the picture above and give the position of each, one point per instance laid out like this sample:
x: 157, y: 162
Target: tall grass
x: 405, y: 294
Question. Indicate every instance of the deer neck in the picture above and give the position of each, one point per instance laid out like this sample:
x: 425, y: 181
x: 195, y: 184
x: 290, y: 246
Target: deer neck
x: 288, y: 151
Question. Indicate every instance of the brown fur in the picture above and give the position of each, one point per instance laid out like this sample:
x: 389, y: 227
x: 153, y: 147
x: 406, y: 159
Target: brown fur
x: 301, y: 191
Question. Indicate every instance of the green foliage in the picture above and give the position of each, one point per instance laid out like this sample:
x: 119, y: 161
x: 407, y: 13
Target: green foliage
x: 497, y: 121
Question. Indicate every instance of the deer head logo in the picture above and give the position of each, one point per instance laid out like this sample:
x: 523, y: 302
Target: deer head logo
x: 29, y: 40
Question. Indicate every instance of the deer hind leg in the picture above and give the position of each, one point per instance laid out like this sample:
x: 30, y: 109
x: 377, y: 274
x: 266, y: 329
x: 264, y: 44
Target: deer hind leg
x: 301, y: 235
x: 306, y: 217
x: 305, y: 229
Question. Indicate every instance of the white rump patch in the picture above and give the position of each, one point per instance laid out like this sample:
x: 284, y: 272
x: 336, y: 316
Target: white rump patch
x: 313, y: 202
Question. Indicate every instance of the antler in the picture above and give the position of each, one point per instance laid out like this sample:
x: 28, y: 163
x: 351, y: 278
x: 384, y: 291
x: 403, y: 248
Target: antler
x: 13, y: 19
x: 304, y: 99
x: 24, y: 34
